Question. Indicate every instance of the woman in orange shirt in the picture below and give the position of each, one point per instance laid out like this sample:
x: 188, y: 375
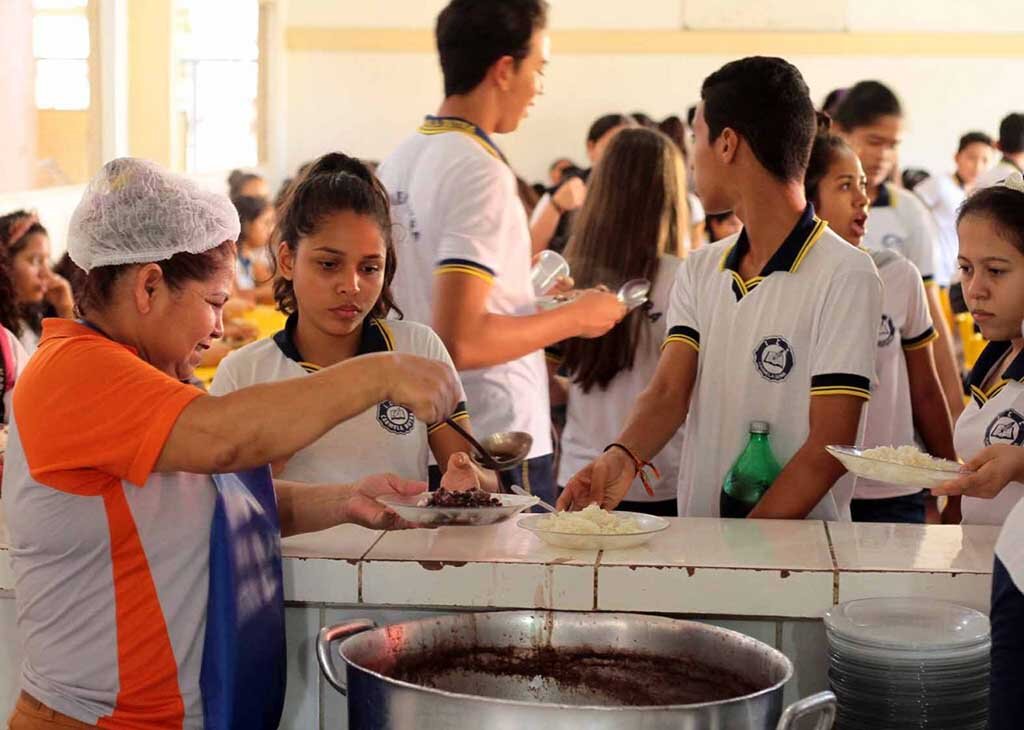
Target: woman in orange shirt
x: 144, y: 524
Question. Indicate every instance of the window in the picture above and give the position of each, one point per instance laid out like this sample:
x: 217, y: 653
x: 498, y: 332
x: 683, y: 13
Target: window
x: 60, y: 44
x: 217, y: 46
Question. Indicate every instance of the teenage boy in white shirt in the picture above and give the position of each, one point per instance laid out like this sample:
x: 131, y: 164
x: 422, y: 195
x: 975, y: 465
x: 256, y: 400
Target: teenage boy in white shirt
x: 1011, y: 145
x: 463, y: 240
x: 944, y: 193
x: 777, y: 323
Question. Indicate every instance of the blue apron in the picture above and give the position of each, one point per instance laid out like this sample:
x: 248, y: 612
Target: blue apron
x: 244, y: 664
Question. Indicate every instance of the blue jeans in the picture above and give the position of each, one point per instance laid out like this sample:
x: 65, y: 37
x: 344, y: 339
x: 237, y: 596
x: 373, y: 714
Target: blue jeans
x: 907, y: 509
x: 1006, y: 700
x: 536, y: 476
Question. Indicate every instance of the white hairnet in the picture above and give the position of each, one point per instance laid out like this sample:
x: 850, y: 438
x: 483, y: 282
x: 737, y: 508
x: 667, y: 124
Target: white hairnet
x: 135, y: 212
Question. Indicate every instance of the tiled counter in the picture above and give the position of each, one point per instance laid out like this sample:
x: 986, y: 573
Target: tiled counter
x: 772, y: 580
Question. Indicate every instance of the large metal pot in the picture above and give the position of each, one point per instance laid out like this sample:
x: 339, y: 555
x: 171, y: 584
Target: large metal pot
x: 555, y: 670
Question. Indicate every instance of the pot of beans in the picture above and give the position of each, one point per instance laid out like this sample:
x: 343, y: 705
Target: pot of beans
x: 561, y: 670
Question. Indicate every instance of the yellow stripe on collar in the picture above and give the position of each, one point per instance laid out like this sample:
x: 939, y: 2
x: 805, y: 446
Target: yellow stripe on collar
x: 812, y: 239
x: 445, y: 125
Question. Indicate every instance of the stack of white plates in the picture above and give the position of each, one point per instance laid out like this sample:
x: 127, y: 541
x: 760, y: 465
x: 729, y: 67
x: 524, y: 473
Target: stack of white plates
x: 902, y: 663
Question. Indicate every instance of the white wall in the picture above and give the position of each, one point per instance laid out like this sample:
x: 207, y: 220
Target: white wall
x: 56, y: 205
x: 365, y: 103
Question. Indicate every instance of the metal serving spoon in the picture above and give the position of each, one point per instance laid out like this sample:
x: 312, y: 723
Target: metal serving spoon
x: 634, y: 293
x: 516, y: 489
x: 499, y: 451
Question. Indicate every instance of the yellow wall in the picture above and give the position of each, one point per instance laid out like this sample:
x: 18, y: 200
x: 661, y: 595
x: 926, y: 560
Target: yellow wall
x: 150, y: 81
x: 63, y: 138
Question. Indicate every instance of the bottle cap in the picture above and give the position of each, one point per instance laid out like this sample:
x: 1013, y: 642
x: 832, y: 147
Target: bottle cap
x: 759, y: 427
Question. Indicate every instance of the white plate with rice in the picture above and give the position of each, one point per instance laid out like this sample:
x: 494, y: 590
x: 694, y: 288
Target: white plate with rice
x: 594, y: 528
x: 903, y: 465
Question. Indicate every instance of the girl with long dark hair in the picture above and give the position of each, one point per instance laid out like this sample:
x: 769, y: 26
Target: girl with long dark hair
x: 633, y: 220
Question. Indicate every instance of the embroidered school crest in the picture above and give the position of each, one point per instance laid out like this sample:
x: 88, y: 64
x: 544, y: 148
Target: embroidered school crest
x: 774, y: 358
x: 396, y: 419
x: 891, y: 240
x: 1006, y: 428
x: 886, y: 331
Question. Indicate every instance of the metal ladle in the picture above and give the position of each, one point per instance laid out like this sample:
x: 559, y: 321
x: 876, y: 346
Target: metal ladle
x: 499, y: 451
x: 634, y: 293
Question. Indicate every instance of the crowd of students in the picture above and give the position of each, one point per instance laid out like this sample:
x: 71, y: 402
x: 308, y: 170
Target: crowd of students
x: 795, y: 281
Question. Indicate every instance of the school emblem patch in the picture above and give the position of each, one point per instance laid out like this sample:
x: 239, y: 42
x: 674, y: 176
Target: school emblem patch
x: 886, y: 331
x: 1006, y: 428
x: 891, y: 240
x: 396, y: 419
x: 774, y: 358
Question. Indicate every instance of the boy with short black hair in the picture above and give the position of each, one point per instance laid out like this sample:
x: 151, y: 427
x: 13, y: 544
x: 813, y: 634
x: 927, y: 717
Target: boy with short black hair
x: 944, y: 193
x: 464, y: 258
x: 776, y: 323
x: 1011, y: 144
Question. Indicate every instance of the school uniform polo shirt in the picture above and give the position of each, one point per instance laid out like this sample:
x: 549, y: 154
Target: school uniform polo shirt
x: 993, y: 416
x: 805, y: 327
x: 899, y: 221
x: 943, y: 195
x: 456, y: 209
x: 905, y: 325
x: 384, y: 438
x: 595, y: 419
x: 996, y: 174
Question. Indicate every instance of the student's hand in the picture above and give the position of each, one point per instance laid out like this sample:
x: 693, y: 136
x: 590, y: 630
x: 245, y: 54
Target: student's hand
x: 429, y: 388
x: 59, y: 296
x: 596, y: 311
x: 362, y: 508
x: 989, y: 471
x: 462, y: 473
x: 604, y: 482
x: 562, y: 285
x: 571, y: 194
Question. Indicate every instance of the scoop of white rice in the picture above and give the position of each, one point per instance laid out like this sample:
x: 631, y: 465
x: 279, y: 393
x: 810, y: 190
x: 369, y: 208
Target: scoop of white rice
x: 909, y: 456
x: 592, y: 520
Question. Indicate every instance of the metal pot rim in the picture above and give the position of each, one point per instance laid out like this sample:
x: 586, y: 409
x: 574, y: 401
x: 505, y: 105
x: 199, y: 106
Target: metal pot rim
x: 742, y: 638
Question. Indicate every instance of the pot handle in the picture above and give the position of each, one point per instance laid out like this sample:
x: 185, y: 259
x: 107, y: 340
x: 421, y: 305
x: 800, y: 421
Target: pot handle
x: 331, y: 635
x: 822, y: 704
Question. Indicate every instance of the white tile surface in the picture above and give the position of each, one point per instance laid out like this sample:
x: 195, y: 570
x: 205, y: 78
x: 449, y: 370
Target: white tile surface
x: 731, y: 567
x: 10, y: 656
x: 505, y: 542
x: 497, y: 566
x: 726, y: 591
x: 968, y: 589
x: 6, y: 574
x: 713, y: 543
x: 344, y: 542
x: 803, y: 642
x: 763, y: 631
x: 302, y: 698
x: 865, y: 546
x: 323, y: 567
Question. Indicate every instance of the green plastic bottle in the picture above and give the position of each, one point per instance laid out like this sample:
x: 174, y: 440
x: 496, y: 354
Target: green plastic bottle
x: 751, y: 476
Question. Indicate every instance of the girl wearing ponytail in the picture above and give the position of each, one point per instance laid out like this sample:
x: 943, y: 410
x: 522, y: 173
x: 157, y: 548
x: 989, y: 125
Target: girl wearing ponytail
x: 336, y: 261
